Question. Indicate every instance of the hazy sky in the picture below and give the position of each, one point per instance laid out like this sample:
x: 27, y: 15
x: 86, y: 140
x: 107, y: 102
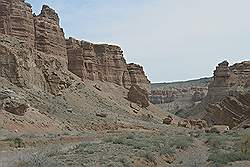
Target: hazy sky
x: 172, y: 39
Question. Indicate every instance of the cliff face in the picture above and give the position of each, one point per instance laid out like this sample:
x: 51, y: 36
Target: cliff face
x: 228, y: 80
x: 228, y: 97
x: 32, y: 48
x: 16, y: 20
x: 219, y: 87
x: 39, y: 58
x: 138, y: 76
x: 105, y: 63
x: 49, y: 37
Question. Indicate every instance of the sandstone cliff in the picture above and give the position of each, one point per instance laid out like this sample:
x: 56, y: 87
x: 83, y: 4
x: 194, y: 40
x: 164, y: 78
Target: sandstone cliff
x: 32, y: 48
x: 39, y: 56
x: 49, y: 37
x: 16, y: 20
x: 228, y: 80
x: 103, y: 62
x: 228, y: 97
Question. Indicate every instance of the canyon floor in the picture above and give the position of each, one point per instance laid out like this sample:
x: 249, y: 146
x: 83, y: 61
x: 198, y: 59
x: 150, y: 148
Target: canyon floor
x: 93, y: 124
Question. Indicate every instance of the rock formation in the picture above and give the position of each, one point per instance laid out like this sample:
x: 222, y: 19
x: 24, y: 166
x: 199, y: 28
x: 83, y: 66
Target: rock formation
x: 138, y: 95
x: 198, y: 96
x: 138, y: 76
x: 49, y: 37
x: 219, y: 87
x: 32, y: 49
x: 16, y: 20
x: 228, y: 99
x: 163, y: 96
x: 228, y: 80
x: 39, y: 56
x: 28, y: 68
x: 230, y: 111
x: 11, y: 102
x: 103, y: 62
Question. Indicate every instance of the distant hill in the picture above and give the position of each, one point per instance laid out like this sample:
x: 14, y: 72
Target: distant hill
x: 202, y: 82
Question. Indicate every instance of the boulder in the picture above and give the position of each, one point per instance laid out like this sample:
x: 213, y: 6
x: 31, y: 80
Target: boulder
x: 12, y: 103
x: 184, y: 123
x: 168, y: 120
x: 219, y: 129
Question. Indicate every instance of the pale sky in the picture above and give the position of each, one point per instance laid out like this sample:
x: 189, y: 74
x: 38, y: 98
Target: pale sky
x: 172, y: 39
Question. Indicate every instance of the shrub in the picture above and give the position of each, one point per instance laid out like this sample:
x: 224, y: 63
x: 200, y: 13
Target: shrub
x: 126, y: 162
x: 16, y: 142
x: 221, y: 157
x: 181, y: 142
x: 245, y: 143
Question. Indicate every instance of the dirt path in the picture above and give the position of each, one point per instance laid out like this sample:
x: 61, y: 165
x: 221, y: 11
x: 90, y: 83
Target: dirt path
x: 195, y: 156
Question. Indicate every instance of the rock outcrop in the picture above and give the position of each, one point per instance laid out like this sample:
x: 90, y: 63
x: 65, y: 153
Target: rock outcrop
x: 28, y: 68
x: 12, y: 103
x: 163, y: 96
x: 219, y: 87
x: 32, y: 48
x: 103, y: 62
x: 138, y: 76
x: 49, y: 37
x: 138, y: 95
x: 198, y: 96
x: 228, y: 80
x: 228, y: 99
x: 16, y: 20
x: 231, y: 111
x: 39, y: 58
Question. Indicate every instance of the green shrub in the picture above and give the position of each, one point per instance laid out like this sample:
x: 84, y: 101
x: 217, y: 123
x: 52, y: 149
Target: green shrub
x: 245, y: 143
x: 221, y: 157
x: 126, y: 162
x: 16, y: 142
x: 181, y: 142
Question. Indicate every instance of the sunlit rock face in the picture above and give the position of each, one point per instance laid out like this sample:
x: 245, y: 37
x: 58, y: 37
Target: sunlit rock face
x: 103, y: 62
x: 16, y: 20
x: 49, y: 36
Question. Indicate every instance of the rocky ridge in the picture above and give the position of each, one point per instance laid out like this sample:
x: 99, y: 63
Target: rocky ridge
x: 40, y: 58
x: 103, y: 62
x: 227, y: 101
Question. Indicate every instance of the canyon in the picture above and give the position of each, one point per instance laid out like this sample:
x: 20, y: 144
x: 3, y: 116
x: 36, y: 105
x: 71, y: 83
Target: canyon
x: 71, y: 102
x: 44, y: 37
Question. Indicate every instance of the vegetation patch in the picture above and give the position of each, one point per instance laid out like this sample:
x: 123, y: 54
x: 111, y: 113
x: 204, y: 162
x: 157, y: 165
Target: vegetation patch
x: 229, y: 147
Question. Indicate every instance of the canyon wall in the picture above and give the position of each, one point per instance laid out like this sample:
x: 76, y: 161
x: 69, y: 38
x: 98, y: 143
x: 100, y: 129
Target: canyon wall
x: 42, y: 58
x: 16, y: 20
x: 32, y: 48
x: 228, y: 80
x: 49, y: 37
x: 228, y: 100
x: 105, y: 63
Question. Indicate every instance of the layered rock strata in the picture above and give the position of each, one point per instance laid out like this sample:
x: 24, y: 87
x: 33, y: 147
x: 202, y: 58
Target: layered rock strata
x: 228, y: 80
x: 39, y: 56
x: 32, y: 48
x: 103, y: 62
x: 228, y: 100
x: 16, y: 20
x: 42, y: 32
x: 138, y: 76
x: 49, y: 36
x: 231, y: 111
x: 28, y: 68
